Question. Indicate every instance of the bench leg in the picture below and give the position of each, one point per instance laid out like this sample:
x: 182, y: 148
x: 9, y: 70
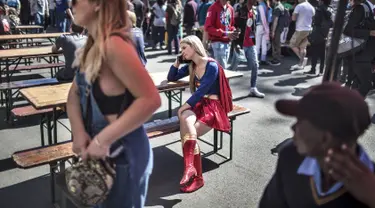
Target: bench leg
x: 42, y: 130
x: 231, y: 140
x: 49, y: 129
x: 55, y: 125
x: 52, y: 185
x: 220, y: 145
x: 169, y: 96
x: 215, y: 141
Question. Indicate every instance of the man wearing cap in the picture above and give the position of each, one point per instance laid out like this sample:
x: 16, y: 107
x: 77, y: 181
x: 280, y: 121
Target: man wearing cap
x: 324, y: 166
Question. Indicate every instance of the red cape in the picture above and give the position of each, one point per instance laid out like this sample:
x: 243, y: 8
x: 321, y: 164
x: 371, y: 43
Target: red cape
x: 225, y: 91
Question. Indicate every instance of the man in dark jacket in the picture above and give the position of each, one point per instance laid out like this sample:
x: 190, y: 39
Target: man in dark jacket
x: 190, y: 16
x: 360, y: 27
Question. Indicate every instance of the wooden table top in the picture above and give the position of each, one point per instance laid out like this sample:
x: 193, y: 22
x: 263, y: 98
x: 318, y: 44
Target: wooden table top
x: 22, y: 52
x: 49, y: 96
x: 29, y: 27
x: 31, y: 36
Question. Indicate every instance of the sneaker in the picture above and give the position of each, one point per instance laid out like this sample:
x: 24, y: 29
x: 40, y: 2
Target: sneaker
x: 275, y: 63
x: 296, y: 67
x: 311, y: 72
x: 255, y: 93
x: 304, y: 62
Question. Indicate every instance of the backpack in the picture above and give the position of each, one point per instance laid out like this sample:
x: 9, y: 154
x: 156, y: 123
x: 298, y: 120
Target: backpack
x: 285, y: 18
x: 350, y: 45
x: 176, y: 17
x: 5, y: 26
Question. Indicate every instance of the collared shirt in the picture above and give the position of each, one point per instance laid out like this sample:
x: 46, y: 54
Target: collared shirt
x: 371, y: 5
x: 310, y: 167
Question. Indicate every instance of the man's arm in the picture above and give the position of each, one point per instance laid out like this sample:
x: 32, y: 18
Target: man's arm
x: 69, y: 11
x: 210, y: 24
x: 295, y: 13
x: 58, y: 44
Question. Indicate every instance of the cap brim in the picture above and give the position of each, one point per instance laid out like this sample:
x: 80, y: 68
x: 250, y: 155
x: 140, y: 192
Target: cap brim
x: 287, y: 107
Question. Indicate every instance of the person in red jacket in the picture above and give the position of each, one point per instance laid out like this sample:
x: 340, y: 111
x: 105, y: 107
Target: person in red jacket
x: 220, y: 28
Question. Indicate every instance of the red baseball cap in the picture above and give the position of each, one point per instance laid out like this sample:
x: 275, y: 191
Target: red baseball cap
x: 331, y: 107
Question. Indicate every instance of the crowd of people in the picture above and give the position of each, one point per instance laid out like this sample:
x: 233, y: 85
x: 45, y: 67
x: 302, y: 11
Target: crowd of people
x: 105, y: 61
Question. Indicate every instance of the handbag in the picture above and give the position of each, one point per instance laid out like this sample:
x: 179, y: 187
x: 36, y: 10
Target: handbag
x: 90, y: 182
x: 350, y: 45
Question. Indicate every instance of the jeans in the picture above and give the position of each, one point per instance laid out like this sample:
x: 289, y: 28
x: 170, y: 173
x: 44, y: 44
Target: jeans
x: 261, y: 42
x: 221, y: 53
x: 252, y: 64
x: 52, y: 18
x: 158, y: 35
x: 172, y: 36
x: 276, y: 46
x: 68, y: 25
x: 39, y: 20
x: 61, y: 21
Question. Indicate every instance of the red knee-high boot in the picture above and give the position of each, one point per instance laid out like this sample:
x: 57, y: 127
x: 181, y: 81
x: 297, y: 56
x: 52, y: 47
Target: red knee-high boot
x: 188, y: 151
x: 197, y: 182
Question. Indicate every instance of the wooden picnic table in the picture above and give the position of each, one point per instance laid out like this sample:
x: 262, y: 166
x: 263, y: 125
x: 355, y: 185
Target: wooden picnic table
x: 28, y: 27
x: 18, y: 54
x: 31, y: 36
x: 54, y: 96
x: 30, y: 39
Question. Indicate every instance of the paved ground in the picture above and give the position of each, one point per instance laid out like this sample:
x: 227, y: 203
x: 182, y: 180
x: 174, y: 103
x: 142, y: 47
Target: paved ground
x: 238, y: 183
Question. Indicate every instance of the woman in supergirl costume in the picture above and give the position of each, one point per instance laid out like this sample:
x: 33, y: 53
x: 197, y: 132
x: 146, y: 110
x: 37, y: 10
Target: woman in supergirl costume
x: 207, y: 108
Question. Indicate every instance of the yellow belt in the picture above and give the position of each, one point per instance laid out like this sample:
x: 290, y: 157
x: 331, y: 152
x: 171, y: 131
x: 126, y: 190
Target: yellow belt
x: 212, y: 97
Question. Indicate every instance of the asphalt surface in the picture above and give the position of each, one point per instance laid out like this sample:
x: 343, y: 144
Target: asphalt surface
x: 237, y: 183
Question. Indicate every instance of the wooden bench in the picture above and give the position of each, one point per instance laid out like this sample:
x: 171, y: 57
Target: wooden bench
x: 7, y: 87
x: 29, y: 110
x: 52, y: 66
x: 63, y: 151
x: 36, y: 67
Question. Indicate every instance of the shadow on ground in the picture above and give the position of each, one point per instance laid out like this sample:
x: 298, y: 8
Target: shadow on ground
x: 33, y: 192
x: 164, y: 182
x: 293, y: 81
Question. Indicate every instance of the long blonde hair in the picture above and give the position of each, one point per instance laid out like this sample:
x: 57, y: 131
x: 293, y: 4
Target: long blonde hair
x: 111, y: 17
x: 194, y: 42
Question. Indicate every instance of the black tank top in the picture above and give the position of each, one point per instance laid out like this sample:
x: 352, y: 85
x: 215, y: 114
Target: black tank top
x: 112, y: 104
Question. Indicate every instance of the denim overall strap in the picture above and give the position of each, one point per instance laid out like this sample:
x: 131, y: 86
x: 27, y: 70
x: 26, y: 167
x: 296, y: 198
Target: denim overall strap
x: 132, y: 170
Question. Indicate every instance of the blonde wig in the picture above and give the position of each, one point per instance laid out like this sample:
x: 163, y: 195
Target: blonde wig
x: 197, y: 45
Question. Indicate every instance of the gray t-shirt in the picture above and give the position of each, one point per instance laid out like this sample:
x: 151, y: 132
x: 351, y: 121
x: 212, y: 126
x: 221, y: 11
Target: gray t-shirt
x: 279, y: 12
x: 70, y: 43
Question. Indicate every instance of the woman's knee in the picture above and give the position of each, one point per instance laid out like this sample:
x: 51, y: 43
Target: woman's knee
x: 187, y: 116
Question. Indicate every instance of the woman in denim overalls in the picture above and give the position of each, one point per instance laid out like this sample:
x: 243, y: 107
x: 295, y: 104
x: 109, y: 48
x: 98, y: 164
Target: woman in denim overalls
x: 104, y: 72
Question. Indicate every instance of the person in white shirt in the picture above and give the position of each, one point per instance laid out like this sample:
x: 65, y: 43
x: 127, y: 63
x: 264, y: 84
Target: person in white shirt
x: 303, y: 15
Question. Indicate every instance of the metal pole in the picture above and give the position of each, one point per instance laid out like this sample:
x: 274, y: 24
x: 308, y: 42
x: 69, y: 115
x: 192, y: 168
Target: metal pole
x: 332, y: 50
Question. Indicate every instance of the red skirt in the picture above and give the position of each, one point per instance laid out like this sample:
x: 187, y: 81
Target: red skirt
x: 211, y: 113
